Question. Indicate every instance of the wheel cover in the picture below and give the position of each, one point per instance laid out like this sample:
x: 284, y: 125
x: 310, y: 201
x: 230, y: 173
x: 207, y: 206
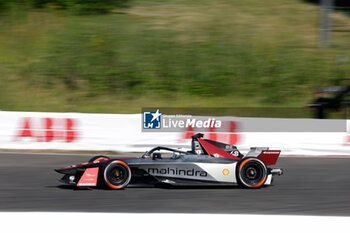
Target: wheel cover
x: 252, y: 173
x: 117, y: 175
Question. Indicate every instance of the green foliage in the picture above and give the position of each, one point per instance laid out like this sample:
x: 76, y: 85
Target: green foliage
x: 81, y: 7
x: 87, y: 60
x: 2, y: 4
x: 94, y: 6
x: 3, y: 7
x: 8, y: 5
x: 115, y: 60
x: 39, y: 3
x: 168, y: 50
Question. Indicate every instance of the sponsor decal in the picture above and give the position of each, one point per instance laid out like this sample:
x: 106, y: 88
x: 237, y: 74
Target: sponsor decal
x: 225, y: 172
x: 177, y: 172
x: 234, y: 152
x: 89, y: 177
x: 271, y: 152
x: 47, y: 129
x: 176, y: 123
x: 193, y: 122
x: 152, y: 120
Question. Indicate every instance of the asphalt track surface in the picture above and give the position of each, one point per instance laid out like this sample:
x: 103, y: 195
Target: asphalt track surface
x: 309, y: 186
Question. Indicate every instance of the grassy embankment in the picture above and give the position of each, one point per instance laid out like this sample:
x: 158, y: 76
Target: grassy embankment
x: 202, y: 53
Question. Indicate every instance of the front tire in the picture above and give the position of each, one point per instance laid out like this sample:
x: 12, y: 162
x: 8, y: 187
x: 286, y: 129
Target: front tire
x: 117, y: 174
x: 251, y: 173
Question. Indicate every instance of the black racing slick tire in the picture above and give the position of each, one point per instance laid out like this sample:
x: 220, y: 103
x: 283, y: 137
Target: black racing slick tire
x: 98, y: 158
x: 116, y: 174
x: 251, y: 173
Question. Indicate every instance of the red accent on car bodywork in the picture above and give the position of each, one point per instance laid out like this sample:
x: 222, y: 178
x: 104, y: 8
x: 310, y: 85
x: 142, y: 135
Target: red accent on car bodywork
x: 216, y: 151
x: 89, y: 177
x: 269, y: 157
x: 96, y: 163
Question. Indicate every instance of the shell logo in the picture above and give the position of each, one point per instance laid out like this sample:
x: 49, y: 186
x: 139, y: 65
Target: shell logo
x: 225, y: 172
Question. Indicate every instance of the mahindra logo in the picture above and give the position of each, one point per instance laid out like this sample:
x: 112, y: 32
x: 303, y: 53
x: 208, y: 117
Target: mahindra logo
x: 176, y: 172
x: 47, y: 129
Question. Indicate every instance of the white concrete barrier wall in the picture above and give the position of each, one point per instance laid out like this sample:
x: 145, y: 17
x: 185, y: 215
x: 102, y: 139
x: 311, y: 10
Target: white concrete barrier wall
x: 122, y: 132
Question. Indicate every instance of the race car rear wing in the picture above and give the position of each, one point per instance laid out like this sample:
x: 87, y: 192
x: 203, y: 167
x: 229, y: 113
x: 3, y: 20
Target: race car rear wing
x: 222, y: 150
x: 268, y: 156
x: 256, y: 151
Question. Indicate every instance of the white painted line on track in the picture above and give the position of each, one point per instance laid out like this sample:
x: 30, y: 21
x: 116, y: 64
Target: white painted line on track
x: 122, y: 222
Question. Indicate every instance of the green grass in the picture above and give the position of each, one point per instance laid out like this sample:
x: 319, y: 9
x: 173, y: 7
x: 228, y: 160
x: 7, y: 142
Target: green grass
x: 207, y: 53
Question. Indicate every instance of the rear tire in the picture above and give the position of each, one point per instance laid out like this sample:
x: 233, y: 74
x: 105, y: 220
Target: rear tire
x: 98, y: 158
x: 116, y: 174
x: 251, y: 173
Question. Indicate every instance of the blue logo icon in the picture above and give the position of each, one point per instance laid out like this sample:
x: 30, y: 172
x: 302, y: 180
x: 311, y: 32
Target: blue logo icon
x: 152, y: 120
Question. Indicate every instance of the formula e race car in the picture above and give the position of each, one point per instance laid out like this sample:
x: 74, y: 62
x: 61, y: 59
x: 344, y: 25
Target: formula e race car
x: 207, y: 163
